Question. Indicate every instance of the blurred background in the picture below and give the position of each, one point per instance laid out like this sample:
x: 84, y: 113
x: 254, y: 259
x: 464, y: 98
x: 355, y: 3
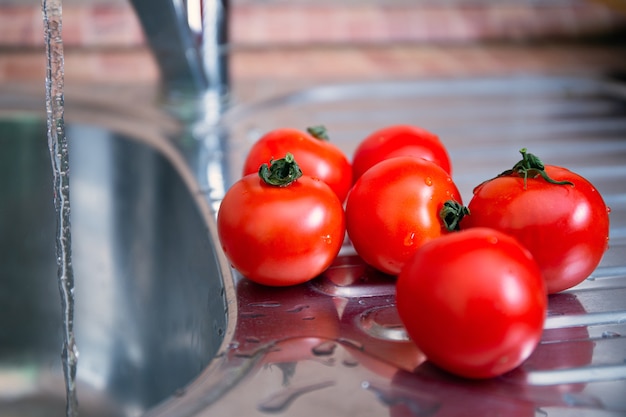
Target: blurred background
x: 280, y: 45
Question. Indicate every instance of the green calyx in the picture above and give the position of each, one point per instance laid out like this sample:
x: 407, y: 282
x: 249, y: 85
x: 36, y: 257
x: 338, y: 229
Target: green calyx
x: 451, y: 215
x: 319, y: 132
x: 531, y: 166
x: 280, y: 172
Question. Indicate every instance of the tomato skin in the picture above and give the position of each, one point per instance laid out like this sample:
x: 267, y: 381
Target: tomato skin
x: 316, y: 157
x: 394, y: 208
x: 474, y: 302
x: 280, y: 235
x: 565, y: 227
x: 399, y: 140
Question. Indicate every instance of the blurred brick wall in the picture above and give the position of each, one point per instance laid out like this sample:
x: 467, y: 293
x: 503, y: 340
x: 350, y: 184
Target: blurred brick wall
x: 104, y: 42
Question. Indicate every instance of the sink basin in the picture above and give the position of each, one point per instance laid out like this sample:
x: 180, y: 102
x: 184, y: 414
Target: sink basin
x: 165, y: 328
x: 151, y: 309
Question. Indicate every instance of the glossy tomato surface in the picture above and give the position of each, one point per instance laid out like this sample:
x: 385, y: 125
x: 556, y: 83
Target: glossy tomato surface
x: 280, y: 235
x: 316, y: 157
x: 474, y: 302
x: 399, y: 140
x: 566, y: 227
x: 394, y: 208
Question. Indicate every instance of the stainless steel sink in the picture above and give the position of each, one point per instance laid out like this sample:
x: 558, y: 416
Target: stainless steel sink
x: 166, y: 329
x: 151, y: 310
x: 336, y: 347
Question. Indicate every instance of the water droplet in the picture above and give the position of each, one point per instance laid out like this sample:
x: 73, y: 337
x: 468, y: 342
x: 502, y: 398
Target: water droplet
x: 308, y: 318
x: 409, y: 239
x: 328, y: 239
x: 492, y: 239
x: 428, y: 181
x: 350, y: 362
x: 252, y: 339
x: 298, y: 308
x: 608, y: 209
x: 268, y: 304
x: 324, y: 349
x: 353, y: 343
x: 608, y: 334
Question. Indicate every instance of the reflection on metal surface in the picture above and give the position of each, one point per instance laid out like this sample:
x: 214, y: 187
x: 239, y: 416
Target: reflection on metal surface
x: 579, y: 365
x: 150, y: 307
x: 331, y: 346
x: 280, y: 401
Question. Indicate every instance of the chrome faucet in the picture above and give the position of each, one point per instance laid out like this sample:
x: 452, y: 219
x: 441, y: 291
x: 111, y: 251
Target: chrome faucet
x: 187, y: 59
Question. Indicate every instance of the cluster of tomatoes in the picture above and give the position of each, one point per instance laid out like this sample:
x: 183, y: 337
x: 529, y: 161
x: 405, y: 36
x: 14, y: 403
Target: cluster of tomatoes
x: 474, y: 278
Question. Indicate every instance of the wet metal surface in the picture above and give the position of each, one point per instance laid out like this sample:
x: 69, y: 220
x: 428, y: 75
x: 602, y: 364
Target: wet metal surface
x: 199, y: 344
x: 335, y: 346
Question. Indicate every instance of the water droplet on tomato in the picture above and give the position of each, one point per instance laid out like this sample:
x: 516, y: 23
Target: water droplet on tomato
x: 492, y: 239
x: 327, y: 239
x: 428, y: 181
x: 409, y: 240
x: 608, y: 209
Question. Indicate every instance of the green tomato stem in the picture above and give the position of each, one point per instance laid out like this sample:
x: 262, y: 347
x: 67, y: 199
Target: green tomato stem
x: 280, y: 172
x: 531, y: 166
x: 451, y: 215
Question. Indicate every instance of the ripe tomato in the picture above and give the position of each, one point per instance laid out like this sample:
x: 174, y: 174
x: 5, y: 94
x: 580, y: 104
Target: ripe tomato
x: 473, y: 301
x: 281, y: 234
x: 395, y: 207
x: 316, y: 156
x: 565, y: 226
x: 399, y: 140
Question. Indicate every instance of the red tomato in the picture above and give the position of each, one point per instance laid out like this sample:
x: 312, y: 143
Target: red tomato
x: 395, y: 207
x: 316, y: 156
x: 399, y: 140
x: 280, y: 234
x: 565, y: 226
x: 473, y: 301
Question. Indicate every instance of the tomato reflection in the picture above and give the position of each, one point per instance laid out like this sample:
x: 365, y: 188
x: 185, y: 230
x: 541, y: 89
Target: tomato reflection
x: 295, y: 316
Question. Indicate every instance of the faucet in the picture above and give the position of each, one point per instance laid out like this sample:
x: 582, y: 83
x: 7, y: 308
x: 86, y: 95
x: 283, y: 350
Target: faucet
x: 187, y: 60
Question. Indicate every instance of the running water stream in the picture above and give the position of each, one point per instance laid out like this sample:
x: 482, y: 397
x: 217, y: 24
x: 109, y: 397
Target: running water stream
x: 58, y: 146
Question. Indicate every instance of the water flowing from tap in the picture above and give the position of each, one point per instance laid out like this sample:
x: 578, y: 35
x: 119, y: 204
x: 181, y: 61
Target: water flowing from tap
x: 58, y: 146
